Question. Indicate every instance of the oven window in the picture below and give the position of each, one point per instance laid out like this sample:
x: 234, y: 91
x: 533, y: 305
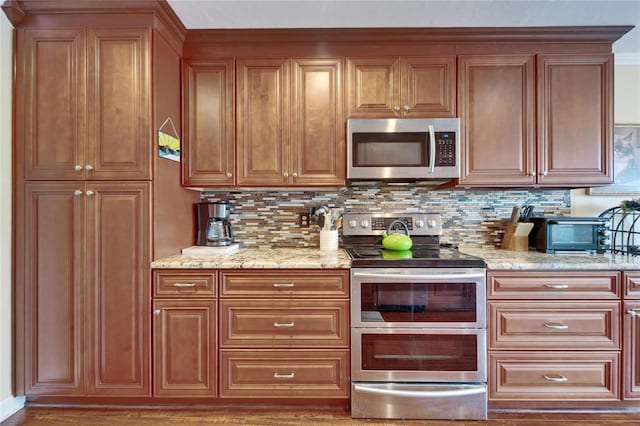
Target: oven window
x: 408, y: 149
x: 418, y: 302
x: 420, y: 352
x: 572, y: 234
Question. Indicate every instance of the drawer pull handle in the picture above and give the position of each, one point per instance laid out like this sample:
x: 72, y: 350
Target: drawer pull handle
x: 633, y: 313
x: 557, y: 286
x: 283, y: 285
x: 283, y: 376
x: 284, y: 324
x: 183, y: 285
x: 556, y: 379
x: 556, y: 326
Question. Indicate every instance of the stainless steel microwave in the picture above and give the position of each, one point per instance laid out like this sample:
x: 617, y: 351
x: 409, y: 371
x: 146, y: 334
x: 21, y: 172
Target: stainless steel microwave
x: 403, y: 149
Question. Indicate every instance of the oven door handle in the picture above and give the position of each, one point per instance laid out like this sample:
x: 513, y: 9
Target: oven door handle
x: 421, y: 394
x: 419, y: 277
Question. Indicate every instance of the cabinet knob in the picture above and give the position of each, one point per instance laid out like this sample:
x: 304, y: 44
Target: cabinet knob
x: 78, y: 168
x: 543, y: 174
x: 156, y: 312
x: 533, y: 173
x: 407, y: 108
x: 285, y: 174
x: 229, y: 175
x: 294, y: 174
x: 89, y: 193
x: 396, y: 108
x: 88, y: 168
x: 77, y: 192
x: 633, y: 313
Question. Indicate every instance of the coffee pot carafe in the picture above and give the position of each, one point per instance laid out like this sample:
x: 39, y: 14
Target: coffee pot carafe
x: 214, y: 227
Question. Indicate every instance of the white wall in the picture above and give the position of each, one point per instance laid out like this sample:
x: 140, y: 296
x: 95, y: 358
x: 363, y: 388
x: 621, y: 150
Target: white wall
x: 626, y: 111
x: 5, y: 207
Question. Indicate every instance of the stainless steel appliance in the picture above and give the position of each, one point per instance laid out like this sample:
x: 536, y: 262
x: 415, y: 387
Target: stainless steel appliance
x: 213, y: 224
x: 418, y: 324
x: 403, y: 149
x: 569, y: 234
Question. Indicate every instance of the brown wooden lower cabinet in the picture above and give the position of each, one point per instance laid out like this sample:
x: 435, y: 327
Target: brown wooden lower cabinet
x: 632, y: 349
x: 284, y: 373
x: 184, y: 347
x: 554, y: 376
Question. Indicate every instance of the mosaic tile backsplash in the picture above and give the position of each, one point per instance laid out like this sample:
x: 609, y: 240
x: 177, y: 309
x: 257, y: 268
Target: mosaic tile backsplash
x: 270, y: 218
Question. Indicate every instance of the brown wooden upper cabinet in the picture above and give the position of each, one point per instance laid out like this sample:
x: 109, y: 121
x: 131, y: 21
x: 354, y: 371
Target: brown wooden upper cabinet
x: 85, y: 105
x: 401, y: 87
x: 498, y: 106
x: 208, y: 154
x: 290, y: 125
x: 575, y: 120
x: 497, y: 119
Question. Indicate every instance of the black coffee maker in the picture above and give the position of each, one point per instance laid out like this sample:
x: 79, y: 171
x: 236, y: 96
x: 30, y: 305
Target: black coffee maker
x: 214, y: 227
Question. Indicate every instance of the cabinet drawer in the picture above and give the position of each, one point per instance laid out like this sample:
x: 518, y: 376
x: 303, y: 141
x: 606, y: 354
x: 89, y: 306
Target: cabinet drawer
x: 304, y: 283
x: 201, y: 283
x: 294, y: 374
x: 300, y: 323
x: 554, y: 325
x: 632, y: 285
x: 554, y: 376
x: 553, y: 285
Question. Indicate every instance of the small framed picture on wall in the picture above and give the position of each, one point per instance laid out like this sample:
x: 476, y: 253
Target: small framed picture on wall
x: 626, y: 162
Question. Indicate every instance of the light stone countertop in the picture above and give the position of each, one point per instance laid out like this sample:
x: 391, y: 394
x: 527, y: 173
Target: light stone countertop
x: 246, y: 258
x: 313, y: 258
x: 506, y: 259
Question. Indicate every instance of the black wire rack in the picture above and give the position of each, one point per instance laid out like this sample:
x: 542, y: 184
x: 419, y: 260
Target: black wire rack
x: 624, y: 229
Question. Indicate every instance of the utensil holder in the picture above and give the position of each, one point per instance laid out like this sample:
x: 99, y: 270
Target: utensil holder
x: 329, y: 240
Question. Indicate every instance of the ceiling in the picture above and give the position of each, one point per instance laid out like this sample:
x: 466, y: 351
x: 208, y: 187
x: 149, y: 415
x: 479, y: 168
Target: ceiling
x: 415, y: 13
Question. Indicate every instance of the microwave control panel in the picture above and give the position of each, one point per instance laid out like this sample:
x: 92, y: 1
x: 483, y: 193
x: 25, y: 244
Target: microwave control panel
x: 445, y: 149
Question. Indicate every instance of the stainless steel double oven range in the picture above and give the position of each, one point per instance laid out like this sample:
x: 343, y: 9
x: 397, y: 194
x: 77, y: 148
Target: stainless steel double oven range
x: 418, y: 323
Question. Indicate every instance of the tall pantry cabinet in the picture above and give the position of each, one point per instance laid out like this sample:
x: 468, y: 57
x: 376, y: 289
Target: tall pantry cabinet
x: 86, y: 189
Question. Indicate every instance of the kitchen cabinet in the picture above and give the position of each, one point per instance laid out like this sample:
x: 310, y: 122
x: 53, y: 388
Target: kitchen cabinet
x: 86, y: 104
x: 284, y: 334
x: 184, y: 335
x: 289, y: 122
x: 575, y: 119
x: 631, y: 325
x: 496, y: 101
x: 86, y: 287
x: 500, y: 115
x: 409, y: 87
x: 208, y: 154
x: 554, y: 338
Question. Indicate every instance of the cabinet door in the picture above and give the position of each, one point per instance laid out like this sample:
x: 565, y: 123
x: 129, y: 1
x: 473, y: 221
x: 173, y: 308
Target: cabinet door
x: 184, y: 347
x: 318, y: 131
x: 119, y: 140
x: 118, y: 287
x: 428, y: 86
x: 373, y: 87
x: 263, y: 122
x: 208, y: 153
x: 631, y: 369
x: 51, y: 115
x: 631, y: 285
x: 575, y: 119
x: 52, y: 261
x: 496, y: 105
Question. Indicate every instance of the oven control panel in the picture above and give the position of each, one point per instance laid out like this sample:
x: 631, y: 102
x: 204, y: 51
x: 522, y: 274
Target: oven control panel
x: 425, y: 224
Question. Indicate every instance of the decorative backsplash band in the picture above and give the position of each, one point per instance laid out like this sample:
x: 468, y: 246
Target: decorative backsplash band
x: 270, y: 218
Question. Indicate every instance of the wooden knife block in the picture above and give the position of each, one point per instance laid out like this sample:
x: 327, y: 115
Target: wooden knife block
x: 514, y: 242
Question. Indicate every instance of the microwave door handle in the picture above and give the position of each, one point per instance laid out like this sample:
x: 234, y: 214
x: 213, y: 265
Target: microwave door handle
x: 432, y: 148
x: 577, y: 222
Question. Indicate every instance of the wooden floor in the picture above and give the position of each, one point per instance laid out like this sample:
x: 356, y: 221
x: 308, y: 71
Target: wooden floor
x: 288, y: 417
